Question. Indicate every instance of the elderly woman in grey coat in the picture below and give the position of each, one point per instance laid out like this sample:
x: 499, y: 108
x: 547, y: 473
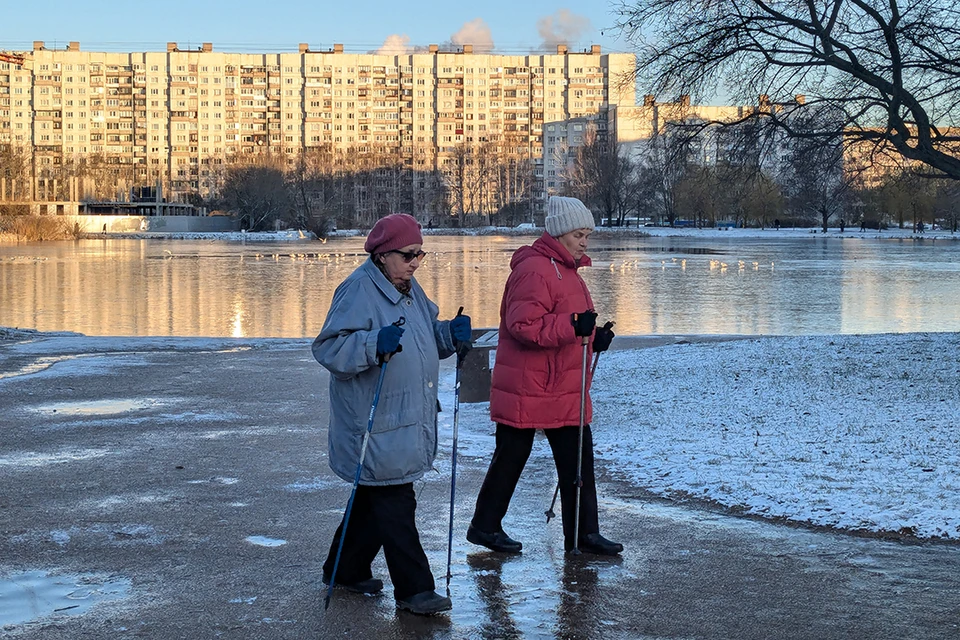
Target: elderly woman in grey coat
x: 360, y: 331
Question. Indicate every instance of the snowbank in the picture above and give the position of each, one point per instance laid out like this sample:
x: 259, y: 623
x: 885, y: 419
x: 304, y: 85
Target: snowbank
x: 857, y: 433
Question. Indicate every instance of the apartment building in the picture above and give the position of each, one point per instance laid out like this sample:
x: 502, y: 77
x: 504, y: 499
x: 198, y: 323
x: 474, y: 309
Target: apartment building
x: 173, y: 117
x: 632, y: 127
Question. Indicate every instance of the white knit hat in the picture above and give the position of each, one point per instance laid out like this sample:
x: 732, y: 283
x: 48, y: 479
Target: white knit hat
x: 566, y: 214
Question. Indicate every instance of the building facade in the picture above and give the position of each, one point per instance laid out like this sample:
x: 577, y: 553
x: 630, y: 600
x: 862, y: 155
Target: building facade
x: 175, y: 117
x: 632, y: 128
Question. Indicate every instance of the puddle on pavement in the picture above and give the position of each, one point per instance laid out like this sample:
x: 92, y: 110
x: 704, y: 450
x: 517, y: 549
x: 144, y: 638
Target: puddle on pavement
x: 28, y: 596
x: 33, y: 367
x: 263, y: 541
x: 98, y: 407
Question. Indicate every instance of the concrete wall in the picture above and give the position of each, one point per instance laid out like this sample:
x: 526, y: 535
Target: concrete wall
x: 175, y: 224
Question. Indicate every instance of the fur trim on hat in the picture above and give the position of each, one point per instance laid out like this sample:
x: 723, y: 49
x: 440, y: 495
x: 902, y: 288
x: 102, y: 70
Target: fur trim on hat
x: 566, y: 214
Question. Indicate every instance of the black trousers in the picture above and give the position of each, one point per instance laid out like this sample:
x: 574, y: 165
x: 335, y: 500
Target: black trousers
x: 383, y: 517
x: 511, y: 454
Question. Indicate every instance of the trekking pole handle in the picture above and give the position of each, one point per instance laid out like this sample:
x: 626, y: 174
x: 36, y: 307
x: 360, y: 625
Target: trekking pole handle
x: 385, y: 358
x: 463, y: 347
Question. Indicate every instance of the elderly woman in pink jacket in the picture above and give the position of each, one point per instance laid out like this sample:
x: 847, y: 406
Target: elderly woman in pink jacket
x: 545, y: 313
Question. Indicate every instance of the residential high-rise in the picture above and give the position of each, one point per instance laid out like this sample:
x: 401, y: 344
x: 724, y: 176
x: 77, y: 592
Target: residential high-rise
x: 174, y: 117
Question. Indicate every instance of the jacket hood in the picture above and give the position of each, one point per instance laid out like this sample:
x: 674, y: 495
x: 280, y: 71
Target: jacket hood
x: 548, y: 247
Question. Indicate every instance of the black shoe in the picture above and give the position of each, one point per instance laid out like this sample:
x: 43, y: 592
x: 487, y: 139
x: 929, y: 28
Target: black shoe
x: 498, y: 541
x: 370, y: 586
x: 596, y: 543
x: 425, y: 603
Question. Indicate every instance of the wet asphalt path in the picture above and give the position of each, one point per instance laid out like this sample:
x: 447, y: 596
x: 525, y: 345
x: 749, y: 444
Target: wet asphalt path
x: 192, y: 473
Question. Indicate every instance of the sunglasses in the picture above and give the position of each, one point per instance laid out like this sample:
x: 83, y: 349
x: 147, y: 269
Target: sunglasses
x: 408, y: 256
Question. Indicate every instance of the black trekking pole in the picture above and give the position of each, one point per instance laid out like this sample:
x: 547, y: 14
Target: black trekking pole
x: 583, y: 411
x: 550, y: 512
x: 462, y: 350
x: 356, y: 479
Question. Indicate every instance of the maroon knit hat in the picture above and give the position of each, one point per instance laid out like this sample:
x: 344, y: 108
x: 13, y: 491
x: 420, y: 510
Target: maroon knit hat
x: 393, y: 232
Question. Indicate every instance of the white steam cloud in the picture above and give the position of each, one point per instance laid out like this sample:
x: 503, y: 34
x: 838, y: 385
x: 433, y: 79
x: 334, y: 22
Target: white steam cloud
x: 395, y: 45
x: 563, y: 27
x: 475, y: 32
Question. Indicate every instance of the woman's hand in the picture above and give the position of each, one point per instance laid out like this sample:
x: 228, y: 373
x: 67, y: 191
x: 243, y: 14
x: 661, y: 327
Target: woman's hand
x: 584, y: 322
x: 460, y: 328
x: 603, y: 337
x: 388, y: 340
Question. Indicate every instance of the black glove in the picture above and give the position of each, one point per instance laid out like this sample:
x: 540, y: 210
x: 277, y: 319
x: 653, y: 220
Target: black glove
x: 603, y: 338
x: 584, y: 322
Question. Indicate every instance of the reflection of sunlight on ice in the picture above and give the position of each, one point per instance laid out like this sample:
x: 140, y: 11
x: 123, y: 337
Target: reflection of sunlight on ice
x: 238, y: 318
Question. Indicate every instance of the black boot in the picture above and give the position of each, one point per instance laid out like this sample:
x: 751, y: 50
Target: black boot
x: 498, y: 541
x: 370, y: 586
x: 425, y: 603
x: 596, y: 543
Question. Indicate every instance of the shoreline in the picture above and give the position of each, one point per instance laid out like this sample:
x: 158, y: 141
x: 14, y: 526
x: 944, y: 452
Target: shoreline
x: 299, y: 235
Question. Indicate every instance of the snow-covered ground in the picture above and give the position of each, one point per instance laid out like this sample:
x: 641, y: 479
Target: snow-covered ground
x: 851, y: 432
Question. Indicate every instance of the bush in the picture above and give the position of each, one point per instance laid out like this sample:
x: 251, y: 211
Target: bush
x: 37, y: 228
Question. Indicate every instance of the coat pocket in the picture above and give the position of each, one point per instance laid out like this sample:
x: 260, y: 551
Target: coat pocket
x: 396, y: 409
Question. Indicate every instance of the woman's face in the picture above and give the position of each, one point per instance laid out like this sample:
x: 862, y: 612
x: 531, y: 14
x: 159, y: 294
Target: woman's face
x: 400, y: 264
x: 576, y: 242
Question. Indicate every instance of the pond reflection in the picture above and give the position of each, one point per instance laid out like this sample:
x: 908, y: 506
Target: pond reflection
x: 647, y: 285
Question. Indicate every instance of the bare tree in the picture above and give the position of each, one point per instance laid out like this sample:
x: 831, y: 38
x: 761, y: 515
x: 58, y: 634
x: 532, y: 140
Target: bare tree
x: 458, y: 182
x: 947, y: 205
x: 697, y: 195
x: 15, y: 172
x: 665, y: 161
x: 256, y: 191
x: 891, y: 68
x: 905, y: 196
x: 813, y: 173
x: 599, y: 176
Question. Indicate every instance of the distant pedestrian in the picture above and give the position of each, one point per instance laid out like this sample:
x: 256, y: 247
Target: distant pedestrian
x: 863, y: 223
x: 545, y: 314
x: 776, y: 224
x: 842, y: 225
x: 359, y: 332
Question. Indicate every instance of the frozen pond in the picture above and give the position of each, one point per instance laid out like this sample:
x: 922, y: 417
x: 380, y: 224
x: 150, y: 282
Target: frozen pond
x: 661, y: 285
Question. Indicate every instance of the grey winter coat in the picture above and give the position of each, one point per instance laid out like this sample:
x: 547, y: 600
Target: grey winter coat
x: 403, y: 442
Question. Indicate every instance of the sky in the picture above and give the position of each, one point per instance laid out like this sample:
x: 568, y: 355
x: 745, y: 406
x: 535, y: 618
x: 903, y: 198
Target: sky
x: 280, y: 25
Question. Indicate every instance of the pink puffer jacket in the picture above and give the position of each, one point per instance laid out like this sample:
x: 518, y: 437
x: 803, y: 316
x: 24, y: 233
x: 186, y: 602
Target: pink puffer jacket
x: 537, y: 374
